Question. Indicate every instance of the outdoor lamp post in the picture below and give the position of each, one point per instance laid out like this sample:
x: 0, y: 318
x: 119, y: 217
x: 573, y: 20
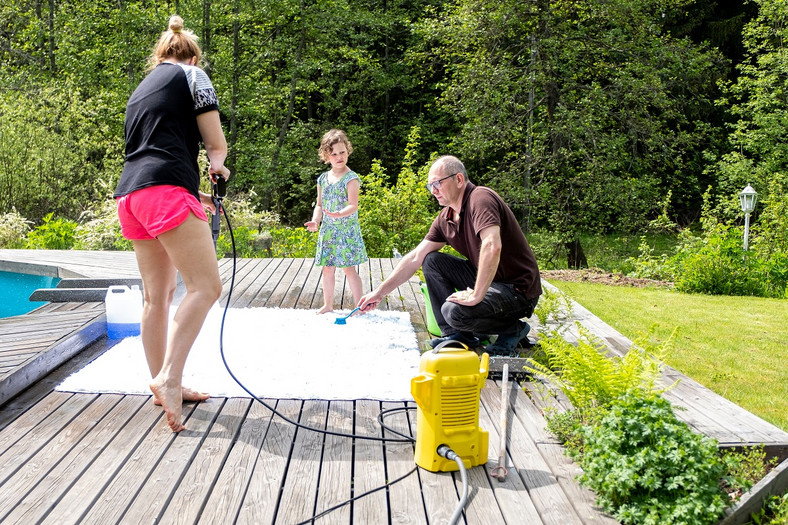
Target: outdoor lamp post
x: 748, y: 197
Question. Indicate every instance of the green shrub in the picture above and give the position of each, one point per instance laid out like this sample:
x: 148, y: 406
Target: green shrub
x: 588, y: 375
x: 293, y: 242
x: 715, y: 264
x: 99, y: 229
x: 13, y: 230
x: 395, y: 216
x: 246, y: 243
x: 57, y: 234
x: 648, y: 265
x: 744, y: 469
x: 774, y: 511
x: 242, y: 213
x: 646, y: 466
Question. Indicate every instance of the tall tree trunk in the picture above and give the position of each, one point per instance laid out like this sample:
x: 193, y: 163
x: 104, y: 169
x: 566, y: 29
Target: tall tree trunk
x: 290, y: 103
x: 575, y: 256
x: 529, y: 146
x: 234, y: 88
x: 206, y: 33
x: 51, y: 52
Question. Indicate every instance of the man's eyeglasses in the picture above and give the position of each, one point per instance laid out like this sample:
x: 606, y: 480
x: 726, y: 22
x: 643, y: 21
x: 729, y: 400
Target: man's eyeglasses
x: 437, y: 183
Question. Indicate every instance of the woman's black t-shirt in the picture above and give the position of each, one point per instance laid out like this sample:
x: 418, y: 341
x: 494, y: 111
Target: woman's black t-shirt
x: 162, y: 137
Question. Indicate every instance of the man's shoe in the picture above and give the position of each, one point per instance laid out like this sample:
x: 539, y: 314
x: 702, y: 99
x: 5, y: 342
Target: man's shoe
x: 470, y: 342
x: 507, y: 345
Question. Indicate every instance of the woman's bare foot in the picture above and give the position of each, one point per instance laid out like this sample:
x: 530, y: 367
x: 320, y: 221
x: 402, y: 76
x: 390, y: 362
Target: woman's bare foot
x: 187, y: 394
x: 326, y: 308
x: 170, y: 397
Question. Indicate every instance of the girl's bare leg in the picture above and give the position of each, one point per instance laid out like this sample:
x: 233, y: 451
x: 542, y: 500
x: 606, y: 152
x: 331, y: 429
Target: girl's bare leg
x: 189, y: 249
x: 328, y: 290
x: 354, y: 281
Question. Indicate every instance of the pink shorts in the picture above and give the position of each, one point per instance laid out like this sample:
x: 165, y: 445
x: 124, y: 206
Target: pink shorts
x: 147, y: 213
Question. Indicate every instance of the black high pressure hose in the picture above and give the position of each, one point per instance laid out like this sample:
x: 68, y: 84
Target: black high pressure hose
x: 218, y: 192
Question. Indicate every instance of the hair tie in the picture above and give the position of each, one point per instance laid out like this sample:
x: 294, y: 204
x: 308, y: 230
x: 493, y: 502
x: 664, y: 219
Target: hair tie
x: 176, y: 30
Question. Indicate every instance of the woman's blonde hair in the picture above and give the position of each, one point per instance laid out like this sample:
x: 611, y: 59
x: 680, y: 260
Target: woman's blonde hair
x: 175, y: 43
x: 333, y: 136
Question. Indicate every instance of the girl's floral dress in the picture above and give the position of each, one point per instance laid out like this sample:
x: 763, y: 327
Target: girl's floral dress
x: 339, y: 242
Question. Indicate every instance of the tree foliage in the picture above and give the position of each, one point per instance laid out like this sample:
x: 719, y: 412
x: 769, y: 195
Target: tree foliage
x: 581, y: 114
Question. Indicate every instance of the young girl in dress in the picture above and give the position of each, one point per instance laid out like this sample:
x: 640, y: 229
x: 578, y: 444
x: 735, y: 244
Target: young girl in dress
x: 336, y: 215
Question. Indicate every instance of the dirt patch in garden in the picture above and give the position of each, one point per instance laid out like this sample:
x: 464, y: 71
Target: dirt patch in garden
x: 597, y: 275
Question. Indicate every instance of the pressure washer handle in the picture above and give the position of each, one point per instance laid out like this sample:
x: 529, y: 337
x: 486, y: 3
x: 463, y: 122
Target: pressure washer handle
x: 219, y: 187
x: 218, y: 191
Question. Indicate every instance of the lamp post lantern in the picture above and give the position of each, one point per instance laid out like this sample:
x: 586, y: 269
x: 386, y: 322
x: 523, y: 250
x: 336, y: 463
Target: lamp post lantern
x: 748, y: 197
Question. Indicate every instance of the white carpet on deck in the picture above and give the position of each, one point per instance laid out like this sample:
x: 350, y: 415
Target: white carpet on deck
x: 277, y: 353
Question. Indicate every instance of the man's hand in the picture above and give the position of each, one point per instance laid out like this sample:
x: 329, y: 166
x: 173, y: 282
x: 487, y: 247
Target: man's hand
x: 369, y: 302
x: 465, y: 297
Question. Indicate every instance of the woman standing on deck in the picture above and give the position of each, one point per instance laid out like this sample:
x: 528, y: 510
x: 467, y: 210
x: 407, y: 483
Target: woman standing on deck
x: 160, y: 207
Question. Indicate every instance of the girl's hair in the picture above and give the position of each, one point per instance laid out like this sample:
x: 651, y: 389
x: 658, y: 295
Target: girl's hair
x: 333, y: 136
x: 176, y: 43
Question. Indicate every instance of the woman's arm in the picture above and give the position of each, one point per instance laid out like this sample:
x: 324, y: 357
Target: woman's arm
x: 215, y: 144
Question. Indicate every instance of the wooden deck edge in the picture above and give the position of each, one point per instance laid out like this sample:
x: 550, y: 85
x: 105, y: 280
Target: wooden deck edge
x: 52, y: 357
x: 774, y: 483
x: 47, y: 270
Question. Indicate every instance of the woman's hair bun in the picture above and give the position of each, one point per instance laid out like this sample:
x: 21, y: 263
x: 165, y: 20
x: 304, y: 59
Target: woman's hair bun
x: 176, y: 24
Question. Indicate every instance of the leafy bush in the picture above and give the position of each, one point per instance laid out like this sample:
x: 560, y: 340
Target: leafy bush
x: 100, y: 229
x: 242, y: 213
x: 588, y: 375
x: 293, y: 242
x: 57, y: 234
x: 395, y: 216
x: 646, y: 466
x: 249, y: 243
x: 13, y: 230
x: 715, y: 264
x: 553, y: 308
x: 649, y: 265
x: 774, y: 511
x: 744, y: 469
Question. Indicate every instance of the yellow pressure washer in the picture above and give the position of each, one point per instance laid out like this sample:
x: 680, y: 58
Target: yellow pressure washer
x: 447, y: 393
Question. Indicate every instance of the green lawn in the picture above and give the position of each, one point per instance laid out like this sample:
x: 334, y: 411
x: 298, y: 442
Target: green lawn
x: 736, y: 346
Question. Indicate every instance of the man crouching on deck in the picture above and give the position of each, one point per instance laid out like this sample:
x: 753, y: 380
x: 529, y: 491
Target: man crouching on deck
x: 491, y: 290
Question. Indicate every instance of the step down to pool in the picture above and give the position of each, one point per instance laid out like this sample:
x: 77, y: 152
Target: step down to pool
x: 98, y: 283
x: 80, y: 290
x: 69, y: 295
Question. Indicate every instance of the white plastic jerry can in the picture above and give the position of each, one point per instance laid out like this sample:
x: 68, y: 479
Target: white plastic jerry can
x: 124, y: 311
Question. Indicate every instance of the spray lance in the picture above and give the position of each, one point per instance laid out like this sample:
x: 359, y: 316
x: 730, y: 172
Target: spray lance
x: 218, y: 191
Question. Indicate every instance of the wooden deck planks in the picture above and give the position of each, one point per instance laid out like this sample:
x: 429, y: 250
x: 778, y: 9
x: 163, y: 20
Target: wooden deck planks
x: 86, y: 490
x: 110, y: 414
x: 198, y: 481
x: 68, y: 458
x: 336, y: 468
x: 260, y: 503
x: 230, y: 488
x: 405, y: 498
x: 368, y: 466
x: 297, y: 502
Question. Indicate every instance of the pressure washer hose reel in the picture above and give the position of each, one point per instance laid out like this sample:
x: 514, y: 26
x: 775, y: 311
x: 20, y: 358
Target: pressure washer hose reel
x: 447, y: 393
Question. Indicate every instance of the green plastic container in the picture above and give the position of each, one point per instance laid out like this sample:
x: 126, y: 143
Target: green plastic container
x: 432, y: 324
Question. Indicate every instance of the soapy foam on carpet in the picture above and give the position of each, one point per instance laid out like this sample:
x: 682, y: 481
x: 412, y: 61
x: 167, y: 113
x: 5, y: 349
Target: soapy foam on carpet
x: 277, y: 353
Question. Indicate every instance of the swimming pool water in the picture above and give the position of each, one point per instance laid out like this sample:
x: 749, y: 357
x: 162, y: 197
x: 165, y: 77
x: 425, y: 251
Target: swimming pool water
x: 16, y: 289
